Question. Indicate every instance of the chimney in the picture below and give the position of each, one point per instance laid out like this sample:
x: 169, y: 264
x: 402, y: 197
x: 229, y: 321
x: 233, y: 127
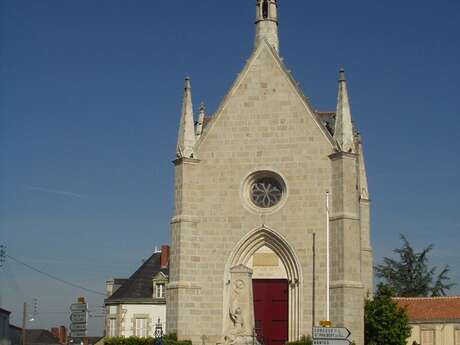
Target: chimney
x: 164, y: 260
x: 63, y: 335
x: 60, y: 333
x: 55, y: 332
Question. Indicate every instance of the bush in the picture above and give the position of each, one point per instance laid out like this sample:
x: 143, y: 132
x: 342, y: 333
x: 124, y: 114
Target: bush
x: 169, y: 339
x: 304, y: 340
x: 384, y: 321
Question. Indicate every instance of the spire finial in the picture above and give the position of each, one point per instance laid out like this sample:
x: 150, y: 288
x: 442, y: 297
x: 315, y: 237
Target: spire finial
x: 343, y: 133
x: 186, y: 138
x: 342, y: 74
x: 267, y: 23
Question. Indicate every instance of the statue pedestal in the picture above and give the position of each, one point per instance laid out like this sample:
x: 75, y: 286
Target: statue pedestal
x: 240, y: 323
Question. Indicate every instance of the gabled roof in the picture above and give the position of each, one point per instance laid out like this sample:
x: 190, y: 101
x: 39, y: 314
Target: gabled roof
x: 431, y: 309
x: 4, y: 311
x: 41, y: 336
x: 293, y: 83
x: 139, y: 287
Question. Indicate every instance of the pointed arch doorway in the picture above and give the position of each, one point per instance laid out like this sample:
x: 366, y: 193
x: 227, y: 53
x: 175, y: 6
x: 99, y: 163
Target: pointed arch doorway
x: 277, y: 287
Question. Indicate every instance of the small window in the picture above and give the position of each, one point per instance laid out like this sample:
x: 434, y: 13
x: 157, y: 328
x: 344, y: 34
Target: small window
x: 160, y: 290
x: 112, y: 332
x: 457, y: 337
x: 141, y: 328
x: 427, y: 337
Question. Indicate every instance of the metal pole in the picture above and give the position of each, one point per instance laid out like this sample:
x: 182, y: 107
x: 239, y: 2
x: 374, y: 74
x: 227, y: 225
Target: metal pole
x: 24, y: 320
x: 314, y: 280
x: 327, y: 259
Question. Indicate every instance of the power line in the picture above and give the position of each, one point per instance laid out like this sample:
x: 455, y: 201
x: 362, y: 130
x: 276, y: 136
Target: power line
x: 54, y: 277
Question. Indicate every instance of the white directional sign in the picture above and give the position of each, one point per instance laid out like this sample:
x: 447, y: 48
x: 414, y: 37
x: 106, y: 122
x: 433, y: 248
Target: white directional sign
x: 331, y: 342
x: 77, y: 327
x: 77, y: 334
x: 78, y: 307
x: 330, y: 333
x: 78, y: 317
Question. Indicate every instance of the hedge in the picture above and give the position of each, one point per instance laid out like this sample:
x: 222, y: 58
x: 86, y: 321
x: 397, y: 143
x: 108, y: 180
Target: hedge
x: 170, y: 339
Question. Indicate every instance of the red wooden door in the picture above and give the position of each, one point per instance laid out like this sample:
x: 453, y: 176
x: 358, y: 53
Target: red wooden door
x: 271, y: 310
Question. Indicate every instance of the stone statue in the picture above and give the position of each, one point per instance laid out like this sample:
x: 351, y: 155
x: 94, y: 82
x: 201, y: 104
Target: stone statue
x: 240, y: 322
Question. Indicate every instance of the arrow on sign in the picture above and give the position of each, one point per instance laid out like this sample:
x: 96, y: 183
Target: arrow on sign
x: 77, y: 334
x: 78, y: 307
x: 78, y: 317
x: 78, y: 327
x: 331, y: 342
x: 330, y: 333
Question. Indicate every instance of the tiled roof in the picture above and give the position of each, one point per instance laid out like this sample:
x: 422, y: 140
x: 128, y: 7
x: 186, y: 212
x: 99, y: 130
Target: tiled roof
x: 431, y: 308
x: 139, y: 286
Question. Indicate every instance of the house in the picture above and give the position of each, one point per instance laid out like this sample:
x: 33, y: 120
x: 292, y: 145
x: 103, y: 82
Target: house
x: 434, y: 320
x: 137, y: 306
x: 41, y: 337
x: 15, y: 335
x: 9, y: 334
x: 60, y: 333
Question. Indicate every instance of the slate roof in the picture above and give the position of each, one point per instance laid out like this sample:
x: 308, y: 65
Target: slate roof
x: 432, y: 309
x: 4, y: 311
x: 139, y: 287
x: 41, y: 336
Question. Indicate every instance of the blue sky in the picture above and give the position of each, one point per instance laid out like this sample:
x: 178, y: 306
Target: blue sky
x: 90, y: 96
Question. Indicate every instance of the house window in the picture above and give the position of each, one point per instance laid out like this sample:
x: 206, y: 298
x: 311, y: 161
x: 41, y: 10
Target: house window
x: 141, y: 328
x: 160, y: 290
x: 427, y: 337
x: 457, y: 337
x: 112, y: 332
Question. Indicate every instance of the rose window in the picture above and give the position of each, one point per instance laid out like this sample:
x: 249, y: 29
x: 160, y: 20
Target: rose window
x: 266, y: 192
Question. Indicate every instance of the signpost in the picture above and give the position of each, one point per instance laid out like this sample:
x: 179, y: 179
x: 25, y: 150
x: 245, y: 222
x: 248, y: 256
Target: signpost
x: 79, y: 319
x: 331, y: 336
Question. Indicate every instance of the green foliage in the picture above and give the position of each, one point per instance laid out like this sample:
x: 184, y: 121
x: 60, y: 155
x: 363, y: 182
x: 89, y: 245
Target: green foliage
x: 384, y: 321
x: 304, y: 340
x: 410, y: 276
x: 170, y: 339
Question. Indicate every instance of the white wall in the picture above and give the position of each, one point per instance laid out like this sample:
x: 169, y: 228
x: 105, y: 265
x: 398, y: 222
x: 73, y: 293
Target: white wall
x: 126, y: 314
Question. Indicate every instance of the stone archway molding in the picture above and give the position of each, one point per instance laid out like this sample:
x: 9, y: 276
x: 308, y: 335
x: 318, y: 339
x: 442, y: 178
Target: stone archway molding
x: 250, y: 244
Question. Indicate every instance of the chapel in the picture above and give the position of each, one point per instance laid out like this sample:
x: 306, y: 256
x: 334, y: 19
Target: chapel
x: 271, y: 227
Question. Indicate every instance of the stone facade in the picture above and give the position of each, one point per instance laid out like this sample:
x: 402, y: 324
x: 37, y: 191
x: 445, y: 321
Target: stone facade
x: 265, y: 125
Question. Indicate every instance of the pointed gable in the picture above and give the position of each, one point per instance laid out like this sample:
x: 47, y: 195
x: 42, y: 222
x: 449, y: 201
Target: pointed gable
x: 266, y: 89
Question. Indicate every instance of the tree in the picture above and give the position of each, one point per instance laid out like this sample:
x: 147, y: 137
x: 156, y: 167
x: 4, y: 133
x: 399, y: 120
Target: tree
x: 384, y: 321
x: 410, y: 276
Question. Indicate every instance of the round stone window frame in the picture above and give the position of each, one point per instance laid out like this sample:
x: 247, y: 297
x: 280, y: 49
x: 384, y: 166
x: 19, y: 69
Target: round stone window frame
x: 252, y: 177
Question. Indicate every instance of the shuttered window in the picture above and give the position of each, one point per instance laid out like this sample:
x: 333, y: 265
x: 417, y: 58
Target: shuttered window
x: 457, y: 337
x: 141, y: 328
x: 427, y: 337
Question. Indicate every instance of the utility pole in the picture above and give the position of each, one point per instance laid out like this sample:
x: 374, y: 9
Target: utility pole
x: 24, y: 320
